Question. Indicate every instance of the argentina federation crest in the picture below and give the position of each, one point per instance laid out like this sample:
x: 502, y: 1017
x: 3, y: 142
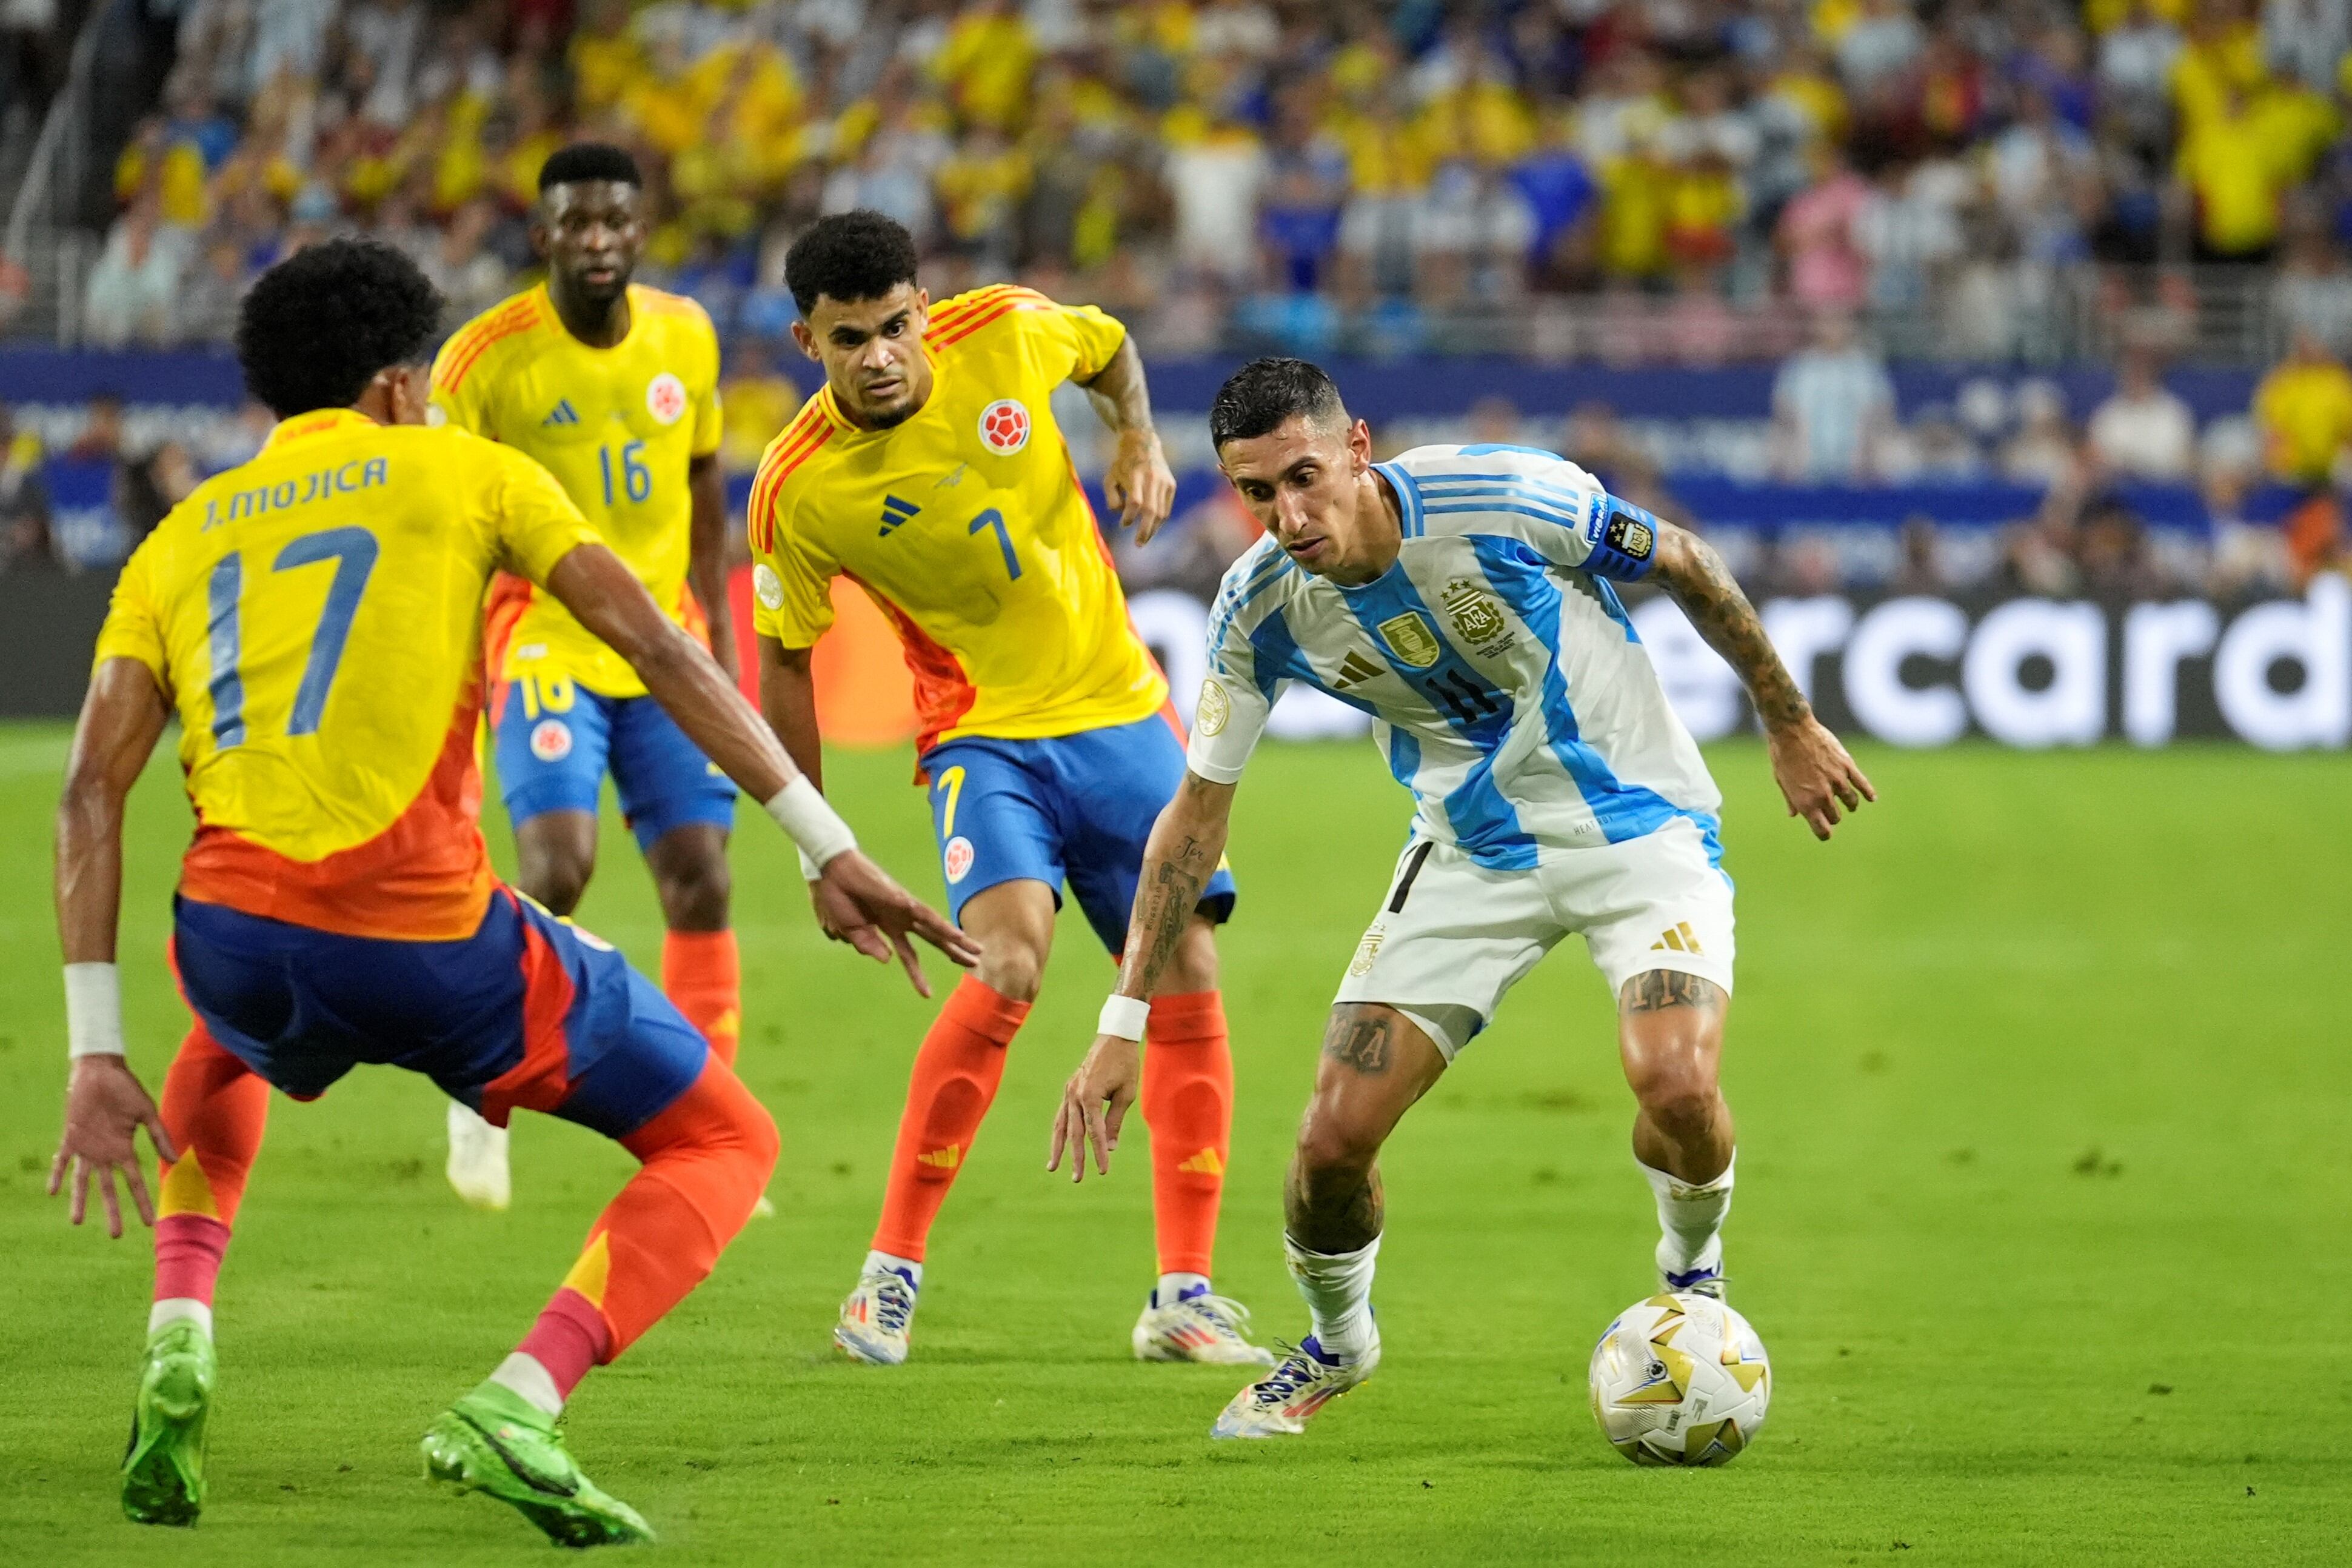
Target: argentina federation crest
x: 1411, y: 638
x: 1477, y: 620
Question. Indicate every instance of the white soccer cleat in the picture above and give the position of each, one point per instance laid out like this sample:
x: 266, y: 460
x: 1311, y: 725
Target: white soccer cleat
x: 1278, y: 1405
x: 878, y: 1319
x: 1200, y: 1327
x: 478, y: 1160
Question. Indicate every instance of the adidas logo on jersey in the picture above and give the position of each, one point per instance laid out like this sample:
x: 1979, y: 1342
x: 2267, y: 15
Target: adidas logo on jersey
x: 1355, y: 670
x: 561, y: 414
x: 1680, y: 939
x: 895, y: 512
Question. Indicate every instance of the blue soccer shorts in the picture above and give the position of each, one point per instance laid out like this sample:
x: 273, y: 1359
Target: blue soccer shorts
x: 1074, y: 808
x: 557, y: 740
x: 528, y: 1012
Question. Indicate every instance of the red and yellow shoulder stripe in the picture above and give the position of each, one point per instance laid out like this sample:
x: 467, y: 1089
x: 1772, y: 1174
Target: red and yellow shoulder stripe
x: 475, y: 338
x: 786, y: 452
x: 965, y: 314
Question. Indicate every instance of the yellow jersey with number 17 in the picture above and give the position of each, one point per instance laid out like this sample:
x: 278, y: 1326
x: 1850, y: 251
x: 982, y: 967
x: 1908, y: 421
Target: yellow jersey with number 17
x: 966, y: 525
x: 315, y: 617
x: 616, y: 427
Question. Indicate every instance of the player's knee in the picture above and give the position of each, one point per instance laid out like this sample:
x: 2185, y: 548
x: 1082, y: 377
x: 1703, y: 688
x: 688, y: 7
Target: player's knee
x: 1194, y: 966
x: 1333, y: 1144
x: 1013, y: 970
x: 695, y: 894
x: 556, y: 879
x: 1678, y: 1093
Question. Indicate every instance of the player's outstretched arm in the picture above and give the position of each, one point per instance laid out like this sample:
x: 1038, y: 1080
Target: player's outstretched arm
x: 1139, y: 481
x: 1811, y: 766
x: 121, y: 718
x: 1187, y: 843
x: 679, y: 672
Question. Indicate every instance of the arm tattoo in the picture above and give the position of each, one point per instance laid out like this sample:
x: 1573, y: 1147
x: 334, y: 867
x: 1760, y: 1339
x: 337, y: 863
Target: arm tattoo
x: 1164, y: 902
x: 1358, y: 1042
x: 1657, y: 989
x: 1704, y: 587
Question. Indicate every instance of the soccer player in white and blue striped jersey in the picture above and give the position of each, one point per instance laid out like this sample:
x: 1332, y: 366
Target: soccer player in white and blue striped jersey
x: 1462, y: 596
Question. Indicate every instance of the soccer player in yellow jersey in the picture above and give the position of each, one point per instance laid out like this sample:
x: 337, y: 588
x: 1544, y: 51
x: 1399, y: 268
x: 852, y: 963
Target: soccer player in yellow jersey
x: 929, y: 470
x: 313, y: 618
x: 614, y: 389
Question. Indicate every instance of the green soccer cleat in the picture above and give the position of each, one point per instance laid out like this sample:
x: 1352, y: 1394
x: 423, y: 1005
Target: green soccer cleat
x: 496, y: 1442
x: 164, y: 1468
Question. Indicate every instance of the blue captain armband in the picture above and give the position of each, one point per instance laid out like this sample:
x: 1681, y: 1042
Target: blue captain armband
x: 1623, y: 539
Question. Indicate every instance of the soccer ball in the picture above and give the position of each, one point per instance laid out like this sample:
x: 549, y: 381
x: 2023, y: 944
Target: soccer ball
x: 1680, y: 1380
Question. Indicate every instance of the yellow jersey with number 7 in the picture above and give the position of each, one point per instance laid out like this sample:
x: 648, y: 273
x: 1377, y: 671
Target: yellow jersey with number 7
x: 967, y: 525
x: 616, y: 427
x: 315, y: 618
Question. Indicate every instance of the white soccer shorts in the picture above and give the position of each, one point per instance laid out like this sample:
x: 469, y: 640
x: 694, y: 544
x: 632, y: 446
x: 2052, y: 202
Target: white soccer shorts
x: 1452, y: 937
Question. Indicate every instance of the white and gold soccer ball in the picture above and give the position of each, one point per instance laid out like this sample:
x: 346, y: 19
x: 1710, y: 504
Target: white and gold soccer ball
x: 1680, y: 1380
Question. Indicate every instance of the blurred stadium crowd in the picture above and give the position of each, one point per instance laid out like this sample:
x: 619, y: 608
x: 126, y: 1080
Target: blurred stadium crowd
x: 1822, y: 185
x: 1652, y: 180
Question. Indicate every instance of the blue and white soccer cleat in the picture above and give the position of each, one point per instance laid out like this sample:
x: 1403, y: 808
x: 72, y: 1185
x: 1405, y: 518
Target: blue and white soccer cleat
x: 1278, y: 1405
x: 1200, y: 1327
x: 877, y: 1318
x: 1707, y: 1280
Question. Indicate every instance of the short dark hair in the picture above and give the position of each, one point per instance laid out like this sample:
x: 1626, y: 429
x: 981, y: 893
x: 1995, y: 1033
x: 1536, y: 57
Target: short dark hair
x: 589, y: 161
x: 862, y: 254
x: 315, y: 329
x: 1259, y: 397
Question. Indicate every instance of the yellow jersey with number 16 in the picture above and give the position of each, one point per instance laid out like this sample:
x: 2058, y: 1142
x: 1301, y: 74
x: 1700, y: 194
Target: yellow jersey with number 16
x: 967, y: 527
x: 616, y: 427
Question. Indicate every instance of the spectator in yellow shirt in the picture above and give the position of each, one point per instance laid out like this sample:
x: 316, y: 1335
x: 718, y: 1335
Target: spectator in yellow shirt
x: 2305, y: 409
x: 2232, y: 169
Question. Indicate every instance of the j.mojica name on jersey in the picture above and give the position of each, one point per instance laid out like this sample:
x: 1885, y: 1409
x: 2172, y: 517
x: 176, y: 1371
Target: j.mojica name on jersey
x: 317, y: 486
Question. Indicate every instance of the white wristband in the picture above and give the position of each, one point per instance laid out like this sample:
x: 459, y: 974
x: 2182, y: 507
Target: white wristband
x: 1124, y: 1017
x: 93, y: 1010
x: 809, y: 868
x: 802, y: 810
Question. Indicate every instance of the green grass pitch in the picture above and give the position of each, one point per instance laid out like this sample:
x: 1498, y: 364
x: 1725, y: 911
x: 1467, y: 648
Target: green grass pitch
x: 2041, y: 1077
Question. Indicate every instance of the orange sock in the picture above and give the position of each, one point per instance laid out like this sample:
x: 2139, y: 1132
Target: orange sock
x: 215, y: 1108
x: 702, y: 973
x: 705, y: 1160
x: 956, y: 1074
x: 1188, y: 1104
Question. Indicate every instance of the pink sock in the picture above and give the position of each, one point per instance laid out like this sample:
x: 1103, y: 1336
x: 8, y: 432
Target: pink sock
x: 188, y: 1252
x: 569, y: 1338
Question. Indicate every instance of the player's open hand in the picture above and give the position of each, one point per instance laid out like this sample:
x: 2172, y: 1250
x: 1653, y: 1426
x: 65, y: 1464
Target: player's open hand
x: 105, y: 1107
x: 1094, y: 1104
x: 1815, y: 774
x: 859, y: 902
x: 1140, y: 484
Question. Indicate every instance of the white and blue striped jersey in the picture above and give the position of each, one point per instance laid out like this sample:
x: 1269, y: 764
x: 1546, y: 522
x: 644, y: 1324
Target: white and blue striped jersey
x: 1507, y: 686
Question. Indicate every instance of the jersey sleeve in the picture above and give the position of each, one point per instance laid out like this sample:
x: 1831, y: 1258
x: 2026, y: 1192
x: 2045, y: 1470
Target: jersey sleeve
x: 1069, y: 341
x: 536, y: 524
x: 791, y: 573
x: 459, y: 394
x: 1569, y: 518
x: 1236, y: 695
x: 135, y: 622
x: 708, y: 426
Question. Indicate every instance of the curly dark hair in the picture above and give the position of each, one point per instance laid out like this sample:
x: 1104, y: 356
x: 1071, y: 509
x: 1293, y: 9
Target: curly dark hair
x: 850, y: 255
x: 589, y: 161
x: 315, y: 329
x: 1259, y: 397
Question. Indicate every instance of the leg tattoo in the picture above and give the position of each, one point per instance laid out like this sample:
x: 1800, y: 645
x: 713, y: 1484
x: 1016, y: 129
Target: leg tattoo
x: 1654, y: 990
x: 1333, y: 1210
x: 1359, y: 1040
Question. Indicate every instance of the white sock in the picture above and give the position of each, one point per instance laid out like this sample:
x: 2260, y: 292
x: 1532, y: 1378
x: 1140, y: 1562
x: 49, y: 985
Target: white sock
x: 171, y: 1308
x: 1337, y: 1287
x: 896, y: 1264
x: 1173, y: 1286
x: 525, y: 1375
x: 1690, y: 1219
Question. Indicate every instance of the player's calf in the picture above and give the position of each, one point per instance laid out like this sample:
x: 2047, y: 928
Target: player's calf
x: 1670, y: 1039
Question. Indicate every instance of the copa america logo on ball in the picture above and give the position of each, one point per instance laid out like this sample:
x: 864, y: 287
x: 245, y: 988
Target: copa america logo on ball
x: 1004, y: 426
